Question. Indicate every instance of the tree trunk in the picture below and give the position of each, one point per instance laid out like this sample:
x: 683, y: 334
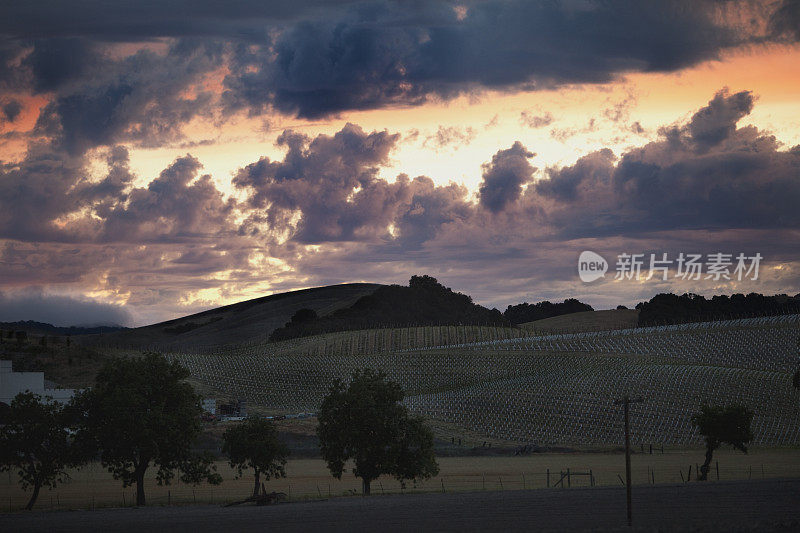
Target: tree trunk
x: 35, y: 495
x: 140, y: 499
x: 365, y: 486
x: 707, y: 465
x: 257, y: 485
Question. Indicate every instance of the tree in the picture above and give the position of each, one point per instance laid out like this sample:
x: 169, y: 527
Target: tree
x: 366, y: 422
x: 254, y: 444
x: 723, y: 425
x: 142, y: 412
x: 35, y: 441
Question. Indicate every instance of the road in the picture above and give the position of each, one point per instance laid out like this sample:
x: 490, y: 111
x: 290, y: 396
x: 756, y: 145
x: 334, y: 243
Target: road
x: 763, y: 505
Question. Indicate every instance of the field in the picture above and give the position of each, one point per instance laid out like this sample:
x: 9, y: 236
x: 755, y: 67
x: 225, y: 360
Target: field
x: 585, y: 321
x: 501, y: 383
x: 309, y: 478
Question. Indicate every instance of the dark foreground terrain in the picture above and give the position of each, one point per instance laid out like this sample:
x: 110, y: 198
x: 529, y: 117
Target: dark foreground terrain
x: 771, y: 505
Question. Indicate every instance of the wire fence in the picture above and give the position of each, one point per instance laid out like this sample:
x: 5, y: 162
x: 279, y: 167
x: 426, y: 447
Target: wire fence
x: 93, y: 488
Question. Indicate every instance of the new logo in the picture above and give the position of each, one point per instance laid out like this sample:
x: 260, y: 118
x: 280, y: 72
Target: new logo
x: 591, y: 266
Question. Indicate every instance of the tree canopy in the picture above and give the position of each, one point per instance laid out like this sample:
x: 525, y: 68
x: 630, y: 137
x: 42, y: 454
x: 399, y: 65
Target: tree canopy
x: 723, y: 425
x: 35, y: 441
x: 142, y: 412
x: 254, y: 444
x: 365, y: 421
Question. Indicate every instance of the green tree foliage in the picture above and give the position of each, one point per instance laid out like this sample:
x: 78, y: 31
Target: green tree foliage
x: 723, y: 425
x: 254, y: 444
x: 141, y: 412
x: 366, y: 422
x: 35, y: 441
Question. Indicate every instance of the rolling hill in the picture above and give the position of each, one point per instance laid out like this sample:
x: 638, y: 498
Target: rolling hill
x: 542, y: 389
x: 585, y: 321
x: 242, y: 322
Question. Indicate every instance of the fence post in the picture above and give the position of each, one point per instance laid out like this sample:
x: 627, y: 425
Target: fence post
x: 483, y: 482
x: 501, y: 482
x: 591, y: 478
x: 441, y: 479
x: 569, y: 479
x: 548, y: 478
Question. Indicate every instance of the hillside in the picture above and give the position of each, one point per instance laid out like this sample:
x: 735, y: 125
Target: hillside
x: 546, y: 390
x: 425, y: 302
x: 585, y: 321
x: 242, y: 322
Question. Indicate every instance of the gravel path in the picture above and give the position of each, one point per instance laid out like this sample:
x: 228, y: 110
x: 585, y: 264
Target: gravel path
x: 769, y: 505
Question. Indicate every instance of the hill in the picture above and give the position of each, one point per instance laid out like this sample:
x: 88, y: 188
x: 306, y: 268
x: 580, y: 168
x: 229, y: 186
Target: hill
x: 42, y: 328
x: 242, y: 322
x: 547, y: 390
x: 585, y: 321
x: 425, y: 302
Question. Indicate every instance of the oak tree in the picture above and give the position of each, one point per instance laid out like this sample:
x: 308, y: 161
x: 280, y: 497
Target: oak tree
x: 254, y: 444
x: 365, y: 421
x: 142, y: 412
x: 723, y: 425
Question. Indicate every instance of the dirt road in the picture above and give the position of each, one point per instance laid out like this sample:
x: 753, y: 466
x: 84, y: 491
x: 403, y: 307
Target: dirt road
x: 769, y: 505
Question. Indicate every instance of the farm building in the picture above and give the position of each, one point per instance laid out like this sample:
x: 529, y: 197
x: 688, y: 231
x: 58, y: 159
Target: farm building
x: 12, y: 383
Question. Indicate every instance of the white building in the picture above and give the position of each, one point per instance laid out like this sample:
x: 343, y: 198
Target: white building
x: 210, y: 405
x: 12, y: 383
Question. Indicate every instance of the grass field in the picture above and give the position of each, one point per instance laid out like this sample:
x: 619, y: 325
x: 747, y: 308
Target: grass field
x: 585, y: 321
x: 309, y: 478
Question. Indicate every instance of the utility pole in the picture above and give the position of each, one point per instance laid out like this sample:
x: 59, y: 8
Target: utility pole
x: 626, y: 401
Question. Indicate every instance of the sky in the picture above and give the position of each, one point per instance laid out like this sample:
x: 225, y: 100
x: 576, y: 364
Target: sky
x: 161, y: 158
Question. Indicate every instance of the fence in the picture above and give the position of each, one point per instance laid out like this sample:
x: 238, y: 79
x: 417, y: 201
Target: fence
x: 94, y: 488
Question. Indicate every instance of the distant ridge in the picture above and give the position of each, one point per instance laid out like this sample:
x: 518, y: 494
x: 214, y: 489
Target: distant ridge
x: 43, y: 328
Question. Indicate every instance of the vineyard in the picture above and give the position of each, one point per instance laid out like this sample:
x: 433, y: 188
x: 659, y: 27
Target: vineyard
x: 547, y: 389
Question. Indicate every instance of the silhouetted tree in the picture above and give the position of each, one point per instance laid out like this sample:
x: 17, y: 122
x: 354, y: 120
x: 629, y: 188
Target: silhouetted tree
x: 254, y: 444
x: 723, y: 425
x: 35, y: 441
x: 365, y: 421
x: 142, y: 412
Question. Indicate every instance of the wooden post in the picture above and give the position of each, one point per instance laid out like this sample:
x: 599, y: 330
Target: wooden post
x: 548, y: 478
x: 626, y: 401
x: 682, y: 479
x: 569, y: 479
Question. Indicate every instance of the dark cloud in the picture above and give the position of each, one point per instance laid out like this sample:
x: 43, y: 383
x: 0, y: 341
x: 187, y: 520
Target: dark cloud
x: 11, y: 110
x: 35, y: 304
x: 118, y: 21
x: 504, y: 177
x: 383, y: 53
x: 785, y: 20
x: 706, y: 174
x: 717, y: 121
x: 330, y: 180
x: 144, y: 98
x: 315, y: 59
